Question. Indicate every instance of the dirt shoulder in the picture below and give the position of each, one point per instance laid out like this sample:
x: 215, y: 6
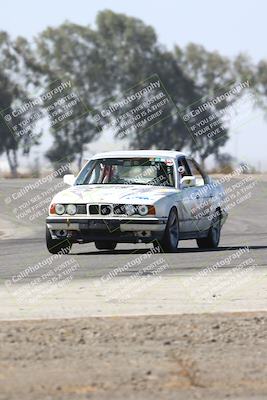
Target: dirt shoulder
x: 165, y: 357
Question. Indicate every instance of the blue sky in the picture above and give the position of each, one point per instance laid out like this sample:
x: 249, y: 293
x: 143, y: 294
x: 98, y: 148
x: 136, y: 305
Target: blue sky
x: 227, y: 26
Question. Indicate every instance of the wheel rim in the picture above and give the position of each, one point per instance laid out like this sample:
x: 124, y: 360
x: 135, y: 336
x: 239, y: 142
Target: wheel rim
x: 173, y: 230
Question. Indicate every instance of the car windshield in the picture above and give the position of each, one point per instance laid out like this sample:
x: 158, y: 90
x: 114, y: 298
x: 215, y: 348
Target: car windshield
x: 135, y: 171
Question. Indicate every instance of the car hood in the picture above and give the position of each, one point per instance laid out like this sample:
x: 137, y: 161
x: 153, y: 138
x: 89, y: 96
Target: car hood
x: 105, y: 194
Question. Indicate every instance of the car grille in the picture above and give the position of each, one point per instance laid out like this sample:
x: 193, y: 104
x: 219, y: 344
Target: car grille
x: 119, y: 209
x: 81, y: 209
x: 93, y: 209
x: 107, y: 209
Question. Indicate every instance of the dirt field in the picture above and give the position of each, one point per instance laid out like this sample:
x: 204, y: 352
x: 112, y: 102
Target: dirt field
x: 172, y: 357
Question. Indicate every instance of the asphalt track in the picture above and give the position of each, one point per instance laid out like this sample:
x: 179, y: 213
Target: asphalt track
x: 179, y: 289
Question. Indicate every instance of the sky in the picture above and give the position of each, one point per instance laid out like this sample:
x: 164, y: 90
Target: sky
x: 228, y: 26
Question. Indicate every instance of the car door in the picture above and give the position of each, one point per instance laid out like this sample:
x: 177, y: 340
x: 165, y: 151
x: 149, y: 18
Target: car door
x: 201, y: 197
x: 185, y: 200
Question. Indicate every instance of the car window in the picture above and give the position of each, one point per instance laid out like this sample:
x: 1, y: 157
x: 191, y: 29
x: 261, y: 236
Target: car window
x: 136, y: 171
x: 201, y: 177
x: 183, y: 168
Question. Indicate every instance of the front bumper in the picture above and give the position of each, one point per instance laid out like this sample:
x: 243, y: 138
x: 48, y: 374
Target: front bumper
x: 124, y: 230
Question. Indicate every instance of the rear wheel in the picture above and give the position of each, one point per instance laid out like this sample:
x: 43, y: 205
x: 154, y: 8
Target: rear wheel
x: 213, y: 238
x: 105, y: 245
x: 57, y: 246
x: 170, y: 241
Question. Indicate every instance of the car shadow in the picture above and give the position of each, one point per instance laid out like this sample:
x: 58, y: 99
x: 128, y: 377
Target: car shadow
x: 221, y: 248
x: 179, y: 250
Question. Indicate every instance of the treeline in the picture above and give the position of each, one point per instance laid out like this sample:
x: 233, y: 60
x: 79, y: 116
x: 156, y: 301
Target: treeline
x: 104, y: 62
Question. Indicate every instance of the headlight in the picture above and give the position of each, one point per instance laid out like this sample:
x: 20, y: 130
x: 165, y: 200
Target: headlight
x: 71, y: 209
x: 143, y: 210
x: 60, y: 209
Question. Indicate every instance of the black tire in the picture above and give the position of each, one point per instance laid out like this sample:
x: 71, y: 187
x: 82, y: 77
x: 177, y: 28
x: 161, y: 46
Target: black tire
x: 105, y: 245
x: 170, y: 240
x: 213, y: 239
x: 57, y: 246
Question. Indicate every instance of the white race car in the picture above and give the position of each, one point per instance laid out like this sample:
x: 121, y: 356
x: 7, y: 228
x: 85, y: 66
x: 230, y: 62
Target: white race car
x: 141, y: 196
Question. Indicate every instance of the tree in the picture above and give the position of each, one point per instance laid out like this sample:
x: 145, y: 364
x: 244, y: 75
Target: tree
x: 14, y: 80
x: 71, y: 51
x: 208, y: 69
x: 133, y: 54
x: 103, y: 63
x: 225, y: 163
x: 8, y: 143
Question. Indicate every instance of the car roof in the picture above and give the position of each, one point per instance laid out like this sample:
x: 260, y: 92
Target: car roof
x: 138, y: 153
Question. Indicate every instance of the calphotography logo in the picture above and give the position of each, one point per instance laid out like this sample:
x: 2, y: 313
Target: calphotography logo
x: 230, y: 107
x: 57, y: 106
x: 54, y: 274
x: 133, y: 278
x: 30, y: 203
x: 238, y: 271
x: 140, y: 108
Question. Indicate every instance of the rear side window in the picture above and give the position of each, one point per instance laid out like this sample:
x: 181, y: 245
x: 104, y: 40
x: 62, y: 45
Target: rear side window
x: 201, y: 177
x: 183, y: 168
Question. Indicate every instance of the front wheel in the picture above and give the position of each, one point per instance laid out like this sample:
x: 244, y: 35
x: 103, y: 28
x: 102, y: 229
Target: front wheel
x: 57, y: 246
x: 105, y: 245
x: 170, y: 240
x: 214, y: 235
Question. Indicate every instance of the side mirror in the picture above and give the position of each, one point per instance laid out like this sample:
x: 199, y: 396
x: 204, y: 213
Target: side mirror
x: 188, y: 181
x: 69, y: 179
